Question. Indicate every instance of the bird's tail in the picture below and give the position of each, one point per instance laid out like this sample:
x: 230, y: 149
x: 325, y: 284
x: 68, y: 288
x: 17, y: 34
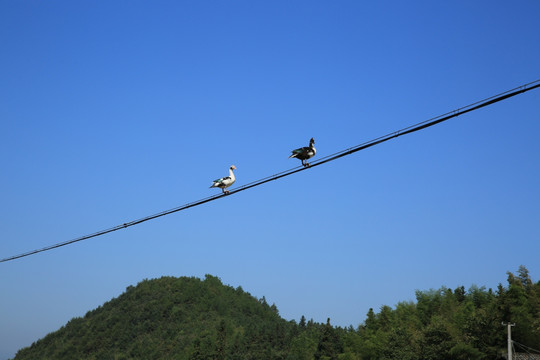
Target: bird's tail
x: 293, y: 155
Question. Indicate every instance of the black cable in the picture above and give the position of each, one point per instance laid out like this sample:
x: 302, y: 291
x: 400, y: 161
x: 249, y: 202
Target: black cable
x: 407, y: 130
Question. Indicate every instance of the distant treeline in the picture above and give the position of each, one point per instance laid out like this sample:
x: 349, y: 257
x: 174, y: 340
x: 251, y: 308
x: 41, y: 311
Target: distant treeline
x: 190, y: 318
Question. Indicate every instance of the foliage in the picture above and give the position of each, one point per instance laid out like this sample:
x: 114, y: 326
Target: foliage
x: 190, y: 318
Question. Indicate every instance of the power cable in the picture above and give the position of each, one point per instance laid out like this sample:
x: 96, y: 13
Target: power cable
x: 528, y: 349
x: 407, y: 130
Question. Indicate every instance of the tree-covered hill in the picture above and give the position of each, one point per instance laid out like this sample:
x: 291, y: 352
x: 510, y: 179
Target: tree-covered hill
x: 190, y: 318
x: 171, y: 318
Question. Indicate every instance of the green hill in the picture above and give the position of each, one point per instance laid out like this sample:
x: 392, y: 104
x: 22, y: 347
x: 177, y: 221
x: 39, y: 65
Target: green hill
x: 190, y: 318
x: 171, y: 318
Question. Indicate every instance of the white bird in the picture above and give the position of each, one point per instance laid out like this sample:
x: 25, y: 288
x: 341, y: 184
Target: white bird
x: 305, y: 153
x: 224, y: 182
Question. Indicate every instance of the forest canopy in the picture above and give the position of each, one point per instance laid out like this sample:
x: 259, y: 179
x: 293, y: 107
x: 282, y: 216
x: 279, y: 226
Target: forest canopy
x: 191, y: 318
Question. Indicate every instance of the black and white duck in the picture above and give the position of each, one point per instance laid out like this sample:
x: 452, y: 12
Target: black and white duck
x: 305, y: 153
x: 224, y: 182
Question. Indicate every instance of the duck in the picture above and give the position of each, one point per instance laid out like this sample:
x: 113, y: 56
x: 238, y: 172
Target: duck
x: 224, y: 182
x: 305, y: 153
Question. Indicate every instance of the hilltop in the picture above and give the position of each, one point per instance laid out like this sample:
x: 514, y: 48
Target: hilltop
x: 169, y: 318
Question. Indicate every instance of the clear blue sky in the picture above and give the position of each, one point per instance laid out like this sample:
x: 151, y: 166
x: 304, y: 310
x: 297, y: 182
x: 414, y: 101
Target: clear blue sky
x: 114, y: 110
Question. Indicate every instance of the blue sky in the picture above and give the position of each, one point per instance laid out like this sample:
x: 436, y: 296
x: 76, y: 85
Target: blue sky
x: 112, y: 111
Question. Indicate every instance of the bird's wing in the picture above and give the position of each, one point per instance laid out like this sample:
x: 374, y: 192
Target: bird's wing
x: 222, y: 180
x: 299, y: 151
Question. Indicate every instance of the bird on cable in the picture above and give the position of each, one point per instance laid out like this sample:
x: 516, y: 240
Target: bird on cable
x: 304, y: 153
x: 224, y: 182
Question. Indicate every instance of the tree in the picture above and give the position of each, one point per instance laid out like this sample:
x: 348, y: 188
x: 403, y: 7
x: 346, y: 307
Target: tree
x: 303, y: 347
x: 371, y: 320
x: 459, y: 293
x: 465, y: 352
x: 302, y: 323
x: 437, y: 341
x: 329, y: 345
x: 401, y: 345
